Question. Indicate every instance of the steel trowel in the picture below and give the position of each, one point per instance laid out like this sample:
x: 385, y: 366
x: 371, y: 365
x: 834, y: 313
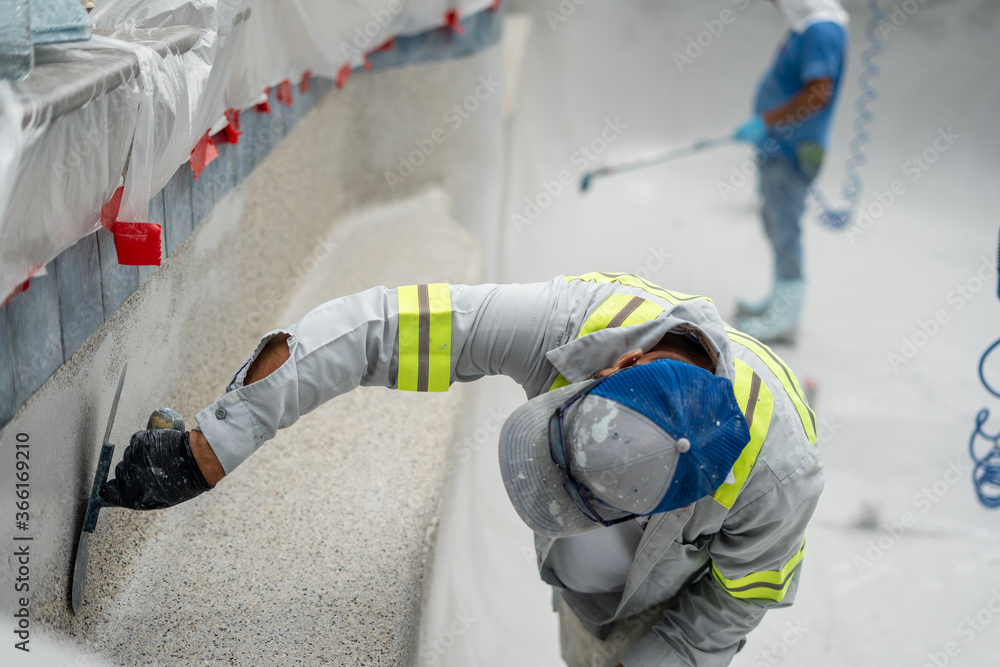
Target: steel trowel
x: 161, y: 418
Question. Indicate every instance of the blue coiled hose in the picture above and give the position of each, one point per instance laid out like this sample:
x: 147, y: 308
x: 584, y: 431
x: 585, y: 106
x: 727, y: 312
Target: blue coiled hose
x: 852, y: 185
x: 986, y: 474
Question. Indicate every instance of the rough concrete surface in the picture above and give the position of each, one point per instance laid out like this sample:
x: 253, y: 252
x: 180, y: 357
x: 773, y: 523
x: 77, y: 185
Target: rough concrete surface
x: 313, y: 552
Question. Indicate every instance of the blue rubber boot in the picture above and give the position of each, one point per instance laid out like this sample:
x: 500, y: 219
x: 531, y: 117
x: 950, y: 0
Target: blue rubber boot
x: 778, y: 323
x: 753, y: 307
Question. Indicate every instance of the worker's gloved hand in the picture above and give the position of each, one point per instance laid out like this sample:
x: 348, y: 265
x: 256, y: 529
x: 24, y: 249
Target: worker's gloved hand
x: 157, y: 470
x: 752, y: 131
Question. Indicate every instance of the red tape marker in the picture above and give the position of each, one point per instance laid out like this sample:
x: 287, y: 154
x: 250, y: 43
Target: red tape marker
x: 231, y: 132
x: 451, y: 20
x: 285, y: 93
x: 138, y: 243
x: 343, y: 75
x: 20, y: 289
x: 202, y: 155
x: 265, y: 106
x: 109, y: 212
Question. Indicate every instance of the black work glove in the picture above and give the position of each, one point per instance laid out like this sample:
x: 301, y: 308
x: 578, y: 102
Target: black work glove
x: 157, y: 470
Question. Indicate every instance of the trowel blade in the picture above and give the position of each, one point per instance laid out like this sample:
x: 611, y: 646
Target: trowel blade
x: 114, y: 405
x: 80, y: 570
x: 95, y: 504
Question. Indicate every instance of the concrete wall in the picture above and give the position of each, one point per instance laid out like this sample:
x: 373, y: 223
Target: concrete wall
x: 315, y: 549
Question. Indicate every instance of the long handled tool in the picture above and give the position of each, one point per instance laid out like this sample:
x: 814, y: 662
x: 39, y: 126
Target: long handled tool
x: 684, y: 151
x: 161, y: 418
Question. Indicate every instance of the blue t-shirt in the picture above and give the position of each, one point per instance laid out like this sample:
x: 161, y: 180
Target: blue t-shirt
x: 817, y: 53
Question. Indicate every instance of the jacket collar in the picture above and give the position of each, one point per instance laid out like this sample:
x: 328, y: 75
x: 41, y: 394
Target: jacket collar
x: 582, y: 357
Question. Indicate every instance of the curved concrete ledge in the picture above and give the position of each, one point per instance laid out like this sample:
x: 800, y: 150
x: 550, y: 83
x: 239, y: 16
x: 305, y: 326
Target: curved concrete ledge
x: 315, y: 550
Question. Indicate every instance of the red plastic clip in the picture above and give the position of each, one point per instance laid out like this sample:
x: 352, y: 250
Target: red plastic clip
x: 109, y: 212
x: 306, y: 81
x: 231, y: 132
x: 20, y: 289
x: 138, y: 243
x: 285, y: 93
x: 495, y: 6
x: 265, y: 106
x: 451, y: 20
x: 388, y: 46
x: 343, y: 75
x: 202, y: 155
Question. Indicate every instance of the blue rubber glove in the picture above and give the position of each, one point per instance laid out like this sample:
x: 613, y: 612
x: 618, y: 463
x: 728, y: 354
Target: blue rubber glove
x: 753, y: 131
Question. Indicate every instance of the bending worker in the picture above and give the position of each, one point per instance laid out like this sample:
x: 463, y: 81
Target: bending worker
x: 791, y: 121
x: 667, y: 464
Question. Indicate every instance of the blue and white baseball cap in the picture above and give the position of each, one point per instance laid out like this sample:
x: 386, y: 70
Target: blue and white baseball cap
x: 650, y: 438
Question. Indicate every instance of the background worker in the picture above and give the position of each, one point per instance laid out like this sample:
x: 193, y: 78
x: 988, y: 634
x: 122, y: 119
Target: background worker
x: 666, y: 464
x: 792, y: 114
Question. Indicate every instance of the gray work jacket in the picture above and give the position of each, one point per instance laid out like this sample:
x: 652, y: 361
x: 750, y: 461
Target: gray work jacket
x: 723, y: 561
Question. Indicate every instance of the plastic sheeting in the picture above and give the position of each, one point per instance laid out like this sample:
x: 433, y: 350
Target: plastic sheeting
x: 136, y: 125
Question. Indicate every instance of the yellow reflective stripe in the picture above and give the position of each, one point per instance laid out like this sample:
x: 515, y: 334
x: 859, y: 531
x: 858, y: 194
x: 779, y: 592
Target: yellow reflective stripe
x: 424, y: 337
x: 618, y: 310
x: 560, y: 382
x: 757, y: 403
x: 645, y: 312
x: 769, y: 585
x: 638, y: 283
x: 785, y: 375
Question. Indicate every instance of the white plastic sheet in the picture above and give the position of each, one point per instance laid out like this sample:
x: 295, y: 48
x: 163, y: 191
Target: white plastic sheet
x: 59, y: 169
x: 151, y: 122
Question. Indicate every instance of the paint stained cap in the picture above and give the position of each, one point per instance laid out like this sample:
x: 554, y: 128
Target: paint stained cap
x: 623, y: 446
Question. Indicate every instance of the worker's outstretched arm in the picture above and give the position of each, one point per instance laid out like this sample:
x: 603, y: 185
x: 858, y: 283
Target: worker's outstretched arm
x: 419, y: 338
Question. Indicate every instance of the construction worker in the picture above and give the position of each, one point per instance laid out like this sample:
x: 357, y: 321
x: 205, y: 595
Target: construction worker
x: 792, y: 114
x: 667, y: 464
